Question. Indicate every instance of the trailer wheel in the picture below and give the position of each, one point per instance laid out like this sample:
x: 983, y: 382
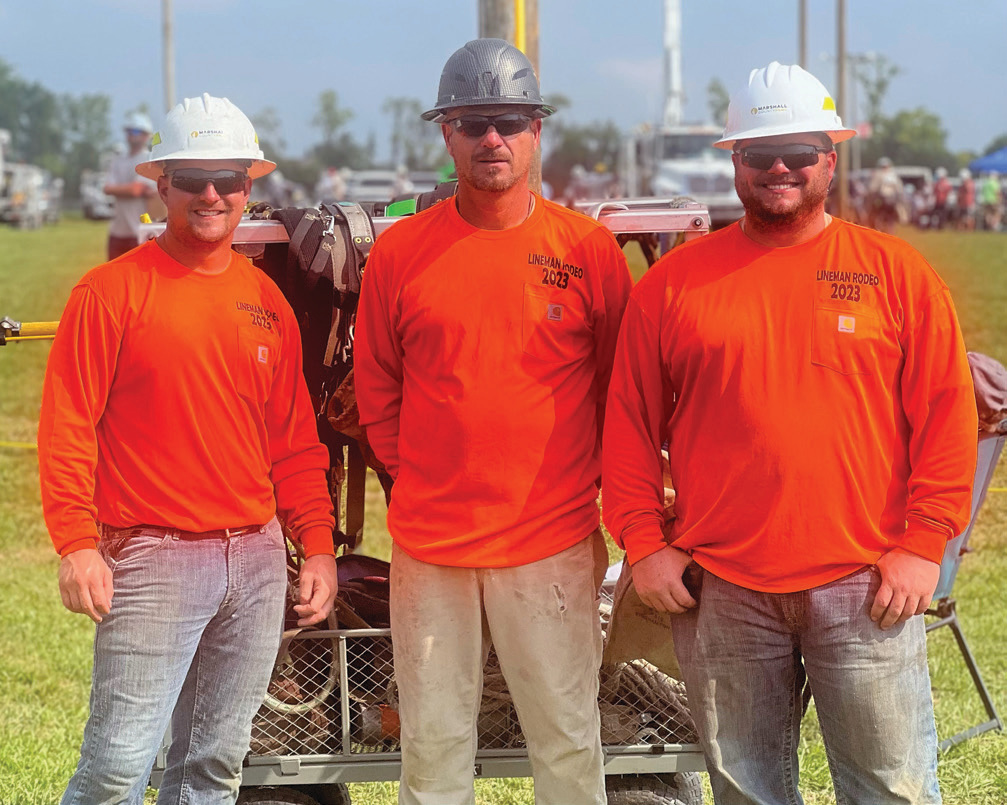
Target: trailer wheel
x: 652, y: 789
x: 326, y: 793
x: 268, y: 795
x: 688, y: 786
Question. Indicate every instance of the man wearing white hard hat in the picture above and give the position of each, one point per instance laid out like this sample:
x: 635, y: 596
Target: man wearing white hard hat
x: 809, y: 379
x: 132, y: 193
x: 175, y: 429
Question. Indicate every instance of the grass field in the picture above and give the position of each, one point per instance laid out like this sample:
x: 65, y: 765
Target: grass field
x: 45, y: 652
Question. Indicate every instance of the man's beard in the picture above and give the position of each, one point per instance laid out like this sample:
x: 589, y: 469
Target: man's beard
x: 490, y: 182
x: 813, y: 195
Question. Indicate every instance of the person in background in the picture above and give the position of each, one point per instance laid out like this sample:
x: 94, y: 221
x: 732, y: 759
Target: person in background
x: 991, y: 200
x: 809, y: 379
x: 132, y: 193
x: 175, y: 428
x: 331, y: 186
x: 966, y: 201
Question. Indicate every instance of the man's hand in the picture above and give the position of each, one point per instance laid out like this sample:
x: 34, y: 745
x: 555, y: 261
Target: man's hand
x: 908, y: 582
x: 318, y: 587
x: 658, y: 581
x: 85, y: 583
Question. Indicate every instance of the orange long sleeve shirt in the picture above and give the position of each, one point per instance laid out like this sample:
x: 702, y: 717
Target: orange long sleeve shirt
x: 816, y: 400
x: 482, y: 359
x: 176, y: 399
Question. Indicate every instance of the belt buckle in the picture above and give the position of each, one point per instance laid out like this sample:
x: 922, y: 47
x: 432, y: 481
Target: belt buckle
x: 233, y: 532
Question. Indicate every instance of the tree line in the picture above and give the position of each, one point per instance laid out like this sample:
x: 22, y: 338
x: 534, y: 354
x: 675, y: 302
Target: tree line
x: 67, y: 134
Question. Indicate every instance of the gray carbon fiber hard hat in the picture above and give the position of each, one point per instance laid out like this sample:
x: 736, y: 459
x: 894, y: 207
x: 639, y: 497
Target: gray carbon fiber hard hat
x: 488, y: 72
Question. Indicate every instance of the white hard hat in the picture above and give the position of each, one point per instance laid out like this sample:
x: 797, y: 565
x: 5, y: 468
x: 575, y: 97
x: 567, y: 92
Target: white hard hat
x: 782, y: 99
x: 940, y: 173
x: 965, y: 173
x: 139, y: 121
x: 205, y: 128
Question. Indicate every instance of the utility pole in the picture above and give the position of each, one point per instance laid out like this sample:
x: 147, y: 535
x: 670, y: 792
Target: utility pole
x: 673, y: 92
x: 168, y: 56
x: 517, y: 22
x: 802, y: 33
x: 843, y: 169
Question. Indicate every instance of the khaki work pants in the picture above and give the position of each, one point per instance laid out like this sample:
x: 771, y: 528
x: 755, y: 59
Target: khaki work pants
x: 542, y: 619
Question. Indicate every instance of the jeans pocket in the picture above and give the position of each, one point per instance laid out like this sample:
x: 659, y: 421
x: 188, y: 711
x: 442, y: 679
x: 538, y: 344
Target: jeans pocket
x: 132, y: 546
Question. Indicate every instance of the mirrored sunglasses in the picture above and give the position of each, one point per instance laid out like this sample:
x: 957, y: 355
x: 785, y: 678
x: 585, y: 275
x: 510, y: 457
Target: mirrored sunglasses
x: 763, y: 157
x: 135, y: 132
x: 477, y: 125
x: 194, y: 180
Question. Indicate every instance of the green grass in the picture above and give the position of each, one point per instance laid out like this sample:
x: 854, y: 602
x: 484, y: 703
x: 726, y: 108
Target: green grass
x: 45, y: 653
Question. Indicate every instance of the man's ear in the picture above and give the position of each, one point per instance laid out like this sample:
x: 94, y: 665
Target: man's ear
x: 162, y: 187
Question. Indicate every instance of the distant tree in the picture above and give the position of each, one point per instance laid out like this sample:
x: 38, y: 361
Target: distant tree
x: 996, y: 144
x: 718, y: 99
x: 590, y: 145
x: 268, y: 128
x: 343, y: 152
x: 338, y: 148
x: 401, y: 109
x: 910, y: 137
x: 874, y: 75
x: 331, y: 117
x: 85, y: 124
x: 963, y: 158
x: 63, y: 133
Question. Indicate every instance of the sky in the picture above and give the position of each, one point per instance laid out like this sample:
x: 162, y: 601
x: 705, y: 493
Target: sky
x: 604, y: 57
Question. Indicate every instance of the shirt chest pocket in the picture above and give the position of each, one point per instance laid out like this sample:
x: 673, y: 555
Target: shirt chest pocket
x: 255, y: 361
x: 553, y: 326
x: 847, y: 341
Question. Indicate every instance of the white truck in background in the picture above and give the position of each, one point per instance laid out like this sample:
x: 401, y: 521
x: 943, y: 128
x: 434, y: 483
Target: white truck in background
x: 28, y: 197
x: 681, y: 161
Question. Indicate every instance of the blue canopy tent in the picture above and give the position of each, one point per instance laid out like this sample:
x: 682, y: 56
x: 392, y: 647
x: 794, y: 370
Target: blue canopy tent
x: 997, y: 161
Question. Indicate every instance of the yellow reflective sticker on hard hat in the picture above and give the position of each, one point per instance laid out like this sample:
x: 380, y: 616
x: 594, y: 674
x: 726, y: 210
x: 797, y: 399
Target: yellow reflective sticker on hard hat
x: 157, y: 138
x: 847, y: 324
x: 256, y: 139
x: 828, y: 104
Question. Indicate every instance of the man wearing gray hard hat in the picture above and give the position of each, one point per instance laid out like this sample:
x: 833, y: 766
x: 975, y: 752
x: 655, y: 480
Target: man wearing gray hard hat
x: 809, y: 378
x: 176, y: 428
x: 486, y: 329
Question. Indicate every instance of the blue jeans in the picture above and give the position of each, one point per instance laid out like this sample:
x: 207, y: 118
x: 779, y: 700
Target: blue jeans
x: 194, y: 630
x: 745, y: 656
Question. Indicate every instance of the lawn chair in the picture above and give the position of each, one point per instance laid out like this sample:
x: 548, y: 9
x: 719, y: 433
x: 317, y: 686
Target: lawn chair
x: 990, y: 447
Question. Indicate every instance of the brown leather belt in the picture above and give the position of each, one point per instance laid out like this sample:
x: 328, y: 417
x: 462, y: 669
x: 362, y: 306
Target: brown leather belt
x: 219, y: 533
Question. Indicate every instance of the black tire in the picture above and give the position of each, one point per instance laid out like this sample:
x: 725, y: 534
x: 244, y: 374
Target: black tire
x: 326, y: 793
x: 652, y: 789
x: 268, y: 795
x: 688, y: 786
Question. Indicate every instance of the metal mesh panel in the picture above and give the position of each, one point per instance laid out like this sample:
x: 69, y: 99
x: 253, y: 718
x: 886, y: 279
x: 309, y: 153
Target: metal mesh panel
x: 302, y: 713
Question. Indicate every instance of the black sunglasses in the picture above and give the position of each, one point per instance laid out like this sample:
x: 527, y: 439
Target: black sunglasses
x: 763, y: 157
x: 477, y: 125
x: 194, y: 180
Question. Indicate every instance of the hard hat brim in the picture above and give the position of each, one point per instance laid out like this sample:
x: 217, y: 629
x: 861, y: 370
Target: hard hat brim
x: 538, y: 110
x: 727, y: 143
x: 155, y: 167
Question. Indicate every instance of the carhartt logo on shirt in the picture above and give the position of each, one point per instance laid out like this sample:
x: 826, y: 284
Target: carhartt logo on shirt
x: 847, y: 324
x: 554, y: 313
x: 263, y: 354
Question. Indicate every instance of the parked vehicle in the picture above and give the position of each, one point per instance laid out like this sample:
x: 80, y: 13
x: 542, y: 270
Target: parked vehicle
x: 95, y: 203
x: 370, y: 185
